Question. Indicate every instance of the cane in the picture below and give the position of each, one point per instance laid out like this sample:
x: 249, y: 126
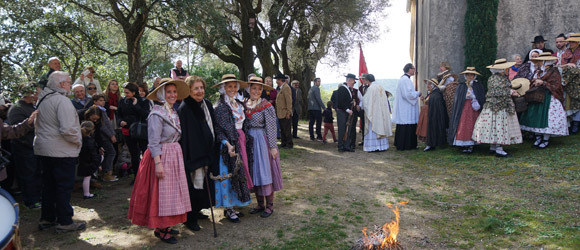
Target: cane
x: 210, y: 204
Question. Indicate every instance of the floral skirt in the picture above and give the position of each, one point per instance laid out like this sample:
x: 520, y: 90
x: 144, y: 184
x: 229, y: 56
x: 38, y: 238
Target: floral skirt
x: 497, y: 128
x: 557, y: 124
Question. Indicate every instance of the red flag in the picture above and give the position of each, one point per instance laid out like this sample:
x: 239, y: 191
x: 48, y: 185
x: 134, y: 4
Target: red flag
x: 362, y: 64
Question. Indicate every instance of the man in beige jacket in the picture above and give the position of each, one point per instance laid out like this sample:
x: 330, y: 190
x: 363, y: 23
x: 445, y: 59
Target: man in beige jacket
x: 57, y: 144
x: 284, y: 110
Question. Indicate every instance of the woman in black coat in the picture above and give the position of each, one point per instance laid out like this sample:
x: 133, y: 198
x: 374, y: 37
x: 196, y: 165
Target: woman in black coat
x: 200, y: 151
x: 437, y: 116
x: 132, y: 108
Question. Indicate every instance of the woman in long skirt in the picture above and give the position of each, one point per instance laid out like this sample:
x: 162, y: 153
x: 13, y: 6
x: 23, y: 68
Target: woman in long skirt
x: 160, y: 198
x: 261, y: 121
x: 548, y: 118
x: 233, y: 182
x: 469, y: 98
x: 498, y: 123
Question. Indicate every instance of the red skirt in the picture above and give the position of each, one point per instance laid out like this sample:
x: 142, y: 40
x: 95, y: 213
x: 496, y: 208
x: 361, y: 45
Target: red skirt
x: 144, y: 204
x: 466, y: 122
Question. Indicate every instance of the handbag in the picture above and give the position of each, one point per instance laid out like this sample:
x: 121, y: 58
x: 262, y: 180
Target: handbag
x: 138, y: 130
x: 536, y: 94
x: 520, y: 103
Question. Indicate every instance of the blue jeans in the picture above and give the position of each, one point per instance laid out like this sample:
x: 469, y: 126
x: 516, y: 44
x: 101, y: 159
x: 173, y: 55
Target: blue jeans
x: 58, y: 178
x: 28, y: 172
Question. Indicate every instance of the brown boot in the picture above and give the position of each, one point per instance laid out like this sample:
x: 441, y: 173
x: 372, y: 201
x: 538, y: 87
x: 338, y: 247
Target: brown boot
x: 109, y: 177
x: 95, y: 184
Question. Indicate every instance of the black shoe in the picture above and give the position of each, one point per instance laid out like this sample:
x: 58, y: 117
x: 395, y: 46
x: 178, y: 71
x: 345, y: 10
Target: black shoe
x: 361, y: 143
x: 295, y: 137
x: 86, y: 197
x: 193, y: 226
x: 312, y: 138
x: 348, y: 149
x: 162, y: 235
x: 267, y: 213
x: 257, y: 209
x: 341, y: 150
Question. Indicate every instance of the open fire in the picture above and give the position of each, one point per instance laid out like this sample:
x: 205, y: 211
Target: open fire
x: 384, y: 237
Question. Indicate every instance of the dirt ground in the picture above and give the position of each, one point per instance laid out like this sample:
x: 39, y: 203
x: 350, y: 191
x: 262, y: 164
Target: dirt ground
x: 316, y: 178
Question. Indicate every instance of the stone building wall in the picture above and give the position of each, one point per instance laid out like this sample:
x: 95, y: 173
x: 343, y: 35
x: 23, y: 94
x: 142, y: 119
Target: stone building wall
x: 441, y: 30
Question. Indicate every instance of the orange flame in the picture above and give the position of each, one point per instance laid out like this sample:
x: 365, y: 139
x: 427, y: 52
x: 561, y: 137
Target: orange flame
x: 390, y: 230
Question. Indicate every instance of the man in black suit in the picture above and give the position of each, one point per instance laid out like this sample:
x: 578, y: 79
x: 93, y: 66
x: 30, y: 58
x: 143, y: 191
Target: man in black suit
x: 344, y: 112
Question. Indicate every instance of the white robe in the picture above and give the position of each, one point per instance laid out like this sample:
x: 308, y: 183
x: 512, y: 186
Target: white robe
x: 406, y: 110
x: 378, y: 118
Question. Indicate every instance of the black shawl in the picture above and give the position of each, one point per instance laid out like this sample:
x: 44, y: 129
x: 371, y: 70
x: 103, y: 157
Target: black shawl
x: 197, y: 141
x: 199, y: 148
x: 225, y: 129
x: 438, y: 119
x: 458, y: 103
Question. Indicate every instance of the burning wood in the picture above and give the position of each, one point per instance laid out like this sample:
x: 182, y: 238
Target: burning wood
x: 382, y: 238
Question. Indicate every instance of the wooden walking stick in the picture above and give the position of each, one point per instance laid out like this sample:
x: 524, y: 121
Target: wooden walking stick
x: 210, y: 204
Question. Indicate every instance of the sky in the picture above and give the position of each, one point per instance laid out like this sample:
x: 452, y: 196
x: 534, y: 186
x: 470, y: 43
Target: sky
x: 385, y: 57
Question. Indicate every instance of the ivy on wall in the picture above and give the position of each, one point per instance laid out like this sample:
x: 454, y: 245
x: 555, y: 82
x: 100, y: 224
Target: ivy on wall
x: 480, y: 36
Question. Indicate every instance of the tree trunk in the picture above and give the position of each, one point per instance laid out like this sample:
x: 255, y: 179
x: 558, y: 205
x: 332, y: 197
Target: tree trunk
x: 136, y: 71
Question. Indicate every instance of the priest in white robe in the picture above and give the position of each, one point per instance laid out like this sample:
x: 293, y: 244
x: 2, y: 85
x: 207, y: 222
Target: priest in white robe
x: 377, y: 116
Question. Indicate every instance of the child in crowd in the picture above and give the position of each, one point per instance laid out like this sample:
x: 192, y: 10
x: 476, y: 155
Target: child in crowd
x: 106, y: 138
x: 89, y: 158
x: 328, y: 122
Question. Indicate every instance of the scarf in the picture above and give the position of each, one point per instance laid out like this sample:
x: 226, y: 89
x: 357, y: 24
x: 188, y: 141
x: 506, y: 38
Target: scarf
x: 113, y: 101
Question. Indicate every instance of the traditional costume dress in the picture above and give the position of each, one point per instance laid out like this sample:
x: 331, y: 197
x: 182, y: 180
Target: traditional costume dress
x: 498, y: 123
x: 267, y: 176
x: 161, y: 203
x: 528, y: 68
x: 377, y: 118
x: 548, y: 118
x: 232, y: 190
x: 200, y: 150
x: 571, y: 82
x: 406, y: 114
x: 438, y: 121
x: 469, y: 98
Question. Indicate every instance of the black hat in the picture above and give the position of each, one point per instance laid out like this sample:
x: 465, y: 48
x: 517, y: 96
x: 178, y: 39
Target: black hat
x: 349, y: 75
x: 538, y: 39
x: 280, y: 76
x: 370, y: 77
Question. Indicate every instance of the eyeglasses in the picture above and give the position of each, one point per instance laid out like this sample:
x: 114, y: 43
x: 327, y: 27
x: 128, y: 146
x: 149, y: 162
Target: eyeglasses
x: 91, y: 88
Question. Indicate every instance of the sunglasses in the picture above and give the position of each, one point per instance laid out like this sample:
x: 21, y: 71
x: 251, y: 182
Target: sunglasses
x: 91, y: 88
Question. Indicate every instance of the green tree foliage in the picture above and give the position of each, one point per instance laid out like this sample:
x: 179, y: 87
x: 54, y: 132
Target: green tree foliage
x: 481, y: 35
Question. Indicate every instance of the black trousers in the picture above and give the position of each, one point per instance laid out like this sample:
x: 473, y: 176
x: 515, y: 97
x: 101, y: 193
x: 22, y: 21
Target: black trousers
x: 315, y: 116
x: 295, y: 119
x: 199, y: 198
x: 58, y: 179
x: 285, y: 132
x: 28, y: 172
x: 361, y: 114
x: 136, y: 147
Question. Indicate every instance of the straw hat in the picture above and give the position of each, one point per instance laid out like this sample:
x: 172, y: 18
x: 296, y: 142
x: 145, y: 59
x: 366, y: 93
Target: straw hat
x: 521, y: 85
x: 470, y: 70
x: 258, y: 80
x: 231, y: 78
x: 501, y: 63
x: 182, y: 89
x: 434, y: 81
x: 574, y: 38
x: 544, y: 56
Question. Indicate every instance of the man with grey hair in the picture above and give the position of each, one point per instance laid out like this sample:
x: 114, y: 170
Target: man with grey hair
x: 57, y: 144
x: 53, y: 65
x: 315, y: 107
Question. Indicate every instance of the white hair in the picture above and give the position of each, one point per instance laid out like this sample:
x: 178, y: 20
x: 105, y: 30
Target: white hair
x: 513, y: 57
x: 53, y: 58
x: 77, y: 85
x: 55, y: 79
x: 496, y: 71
